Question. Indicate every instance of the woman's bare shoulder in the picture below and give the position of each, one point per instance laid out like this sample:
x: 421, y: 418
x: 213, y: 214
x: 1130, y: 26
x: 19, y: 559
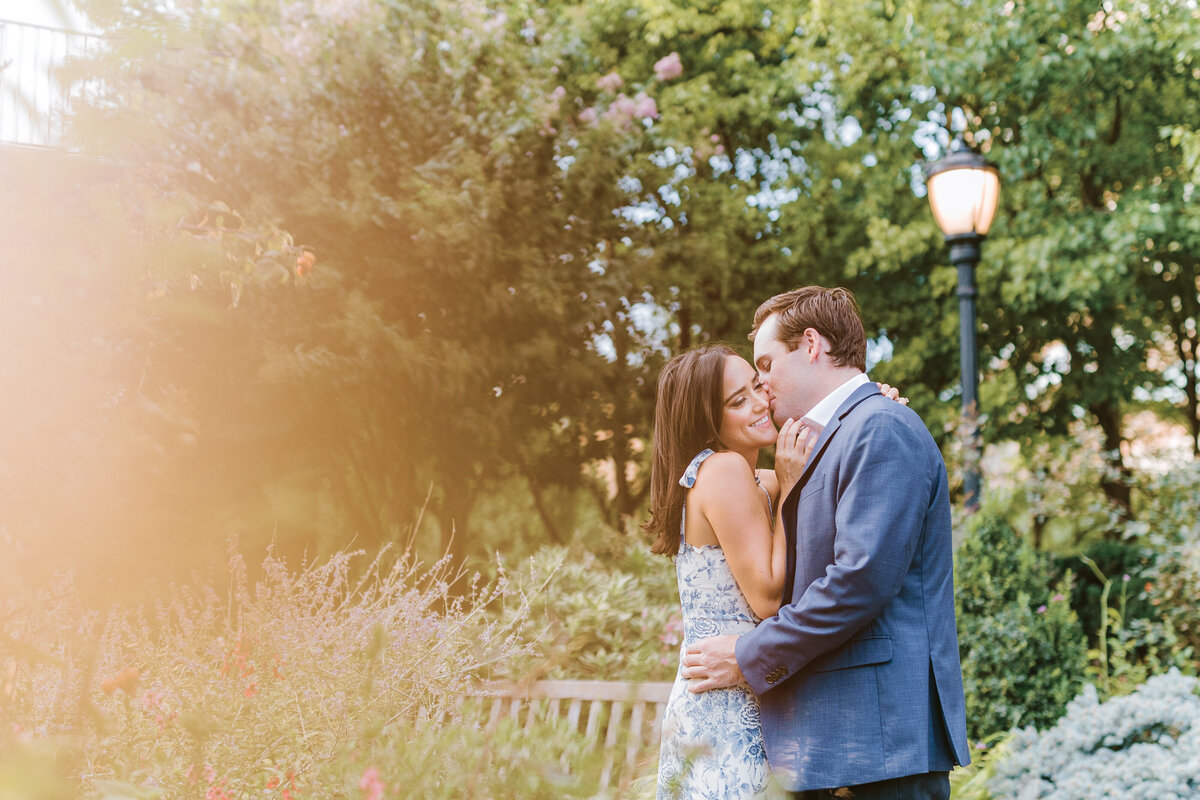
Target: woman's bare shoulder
x: 721, y: 473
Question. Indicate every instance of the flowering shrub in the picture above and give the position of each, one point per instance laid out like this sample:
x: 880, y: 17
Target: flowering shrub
x: 1142, y: 745
x: 296, y: 685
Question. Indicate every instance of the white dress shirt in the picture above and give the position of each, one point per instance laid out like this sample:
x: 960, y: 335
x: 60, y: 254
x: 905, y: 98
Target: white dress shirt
x: 817, y: 418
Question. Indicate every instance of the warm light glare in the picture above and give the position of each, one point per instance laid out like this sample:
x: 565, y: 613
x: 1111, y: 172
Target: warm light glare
x: 964, y: 199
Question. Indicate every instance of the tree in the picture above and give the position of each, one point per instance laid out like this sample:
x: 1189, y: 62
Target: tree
x: 1089, y: 285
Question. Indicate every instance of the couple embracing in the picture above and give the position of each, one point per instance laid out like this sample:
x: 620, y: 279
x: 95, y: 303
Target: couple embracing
x: 818, y: 608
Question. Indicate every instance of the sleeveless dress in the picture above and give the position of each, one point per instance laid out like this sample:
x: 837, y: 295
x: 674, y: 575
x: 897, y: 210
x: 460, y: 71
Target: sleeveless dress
x: 712, y: 743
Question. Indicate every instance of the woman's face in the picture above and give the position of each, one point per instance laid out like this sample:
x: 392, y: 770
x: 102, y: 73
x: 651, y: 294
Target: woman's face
x: 746, y: 420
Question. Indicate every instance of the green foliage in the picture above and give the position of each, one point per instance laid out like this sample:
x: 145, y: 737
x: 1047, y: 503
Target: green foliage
x: 297, y: 682
x: 1089, y: 288
x: 1023, y: 653
x: 461, y: 758
x: 607, y: 612
x: 971, y: 782
x: 514, y: 219
x: 1170, y: 524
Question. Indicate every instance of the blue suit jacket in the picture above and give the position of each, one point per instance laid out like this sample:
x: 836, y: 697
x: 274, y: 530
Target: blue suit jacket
x: 858, y: 674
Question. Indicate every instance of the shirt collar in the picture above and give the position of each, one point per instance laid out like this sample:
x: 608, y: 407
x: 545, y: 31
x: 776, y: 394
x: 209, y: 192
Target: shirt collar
x: 822, y: 412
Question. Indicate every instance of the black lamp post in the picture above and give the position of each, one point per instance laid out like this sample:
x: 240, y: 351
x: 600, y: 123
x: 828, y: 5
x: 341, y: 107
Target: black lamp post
x: 963, y: 192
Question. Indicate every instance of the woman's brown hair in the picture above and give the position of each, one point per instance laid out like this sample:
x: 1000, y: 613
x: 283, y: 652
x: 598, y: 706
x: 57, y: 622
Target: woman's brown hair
x: 688, y: 408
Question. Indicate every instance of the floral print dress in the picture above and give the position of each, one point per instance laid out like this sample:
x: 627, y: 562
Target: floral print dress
x: 712, y: 743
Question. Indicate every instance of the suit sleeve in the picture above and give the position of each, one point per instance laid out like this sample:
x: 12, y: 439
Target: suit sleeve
x: 880, y: 514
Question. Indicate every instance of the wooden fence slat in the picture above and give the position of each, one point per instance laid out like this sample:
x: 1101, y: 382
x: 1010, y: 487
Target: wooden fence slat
x: 573, y: 713
x: 494, y: 716
x: 635, y: 742
x: 612, y: 729
x: 535, y: 709
x: 595, y: 708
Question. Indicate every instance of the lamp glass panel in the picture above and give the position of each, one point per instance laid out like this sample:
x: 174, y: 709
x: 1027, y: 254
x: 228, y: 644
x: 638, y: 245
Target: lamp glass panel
x: 985, y: 212
x: 964, y: 200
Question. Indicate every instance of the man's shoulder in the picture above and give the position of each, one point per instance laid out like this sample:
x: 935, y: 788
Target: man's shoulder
x: 877, y: 405
x: 877, y: 414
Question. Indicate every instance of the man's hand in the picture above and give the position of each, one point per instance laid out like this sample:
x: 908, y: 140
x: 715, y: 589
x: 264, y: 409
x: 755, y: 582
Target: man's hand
x: 712, y: 664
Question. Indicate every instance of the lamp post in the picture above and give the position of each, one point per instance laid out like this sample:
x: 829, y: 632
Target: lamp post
x: 963, y: 192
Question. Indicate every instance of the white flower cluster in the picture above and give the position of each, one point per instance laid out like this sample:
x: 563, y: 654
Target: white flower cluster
x: 1143, y: 745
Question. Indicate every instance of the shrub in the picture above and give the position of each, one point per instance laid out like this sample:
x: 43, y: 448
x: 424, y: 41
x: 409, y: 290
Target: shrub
x: 1023, y: 653
x: 291, y: 684
x: 607, y: 614
x: 1170, y: 523
x: 1142, y: 745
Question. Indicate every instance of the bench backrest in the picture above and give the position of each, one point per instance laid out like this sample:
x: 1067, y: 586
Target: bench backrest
x: 628, y: 716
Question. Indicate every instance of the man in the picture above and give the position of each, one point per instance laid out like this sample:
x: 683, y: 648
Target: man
x: 858, y: 674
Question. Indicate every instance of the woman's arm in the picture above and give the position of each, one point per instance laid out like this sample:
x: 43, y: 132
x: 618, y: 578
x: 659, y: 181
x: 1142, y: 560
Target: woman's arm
x: 732, y: 505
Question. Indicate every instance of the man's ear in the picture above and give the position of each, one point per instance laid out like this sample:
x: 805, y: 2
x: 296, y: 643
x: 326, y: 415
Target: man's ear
x: 811, y: 340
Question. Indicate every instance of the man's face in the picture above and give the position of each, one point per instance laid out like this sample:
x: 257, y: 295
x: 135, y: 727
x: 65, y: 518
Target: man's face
x: 787, y: 375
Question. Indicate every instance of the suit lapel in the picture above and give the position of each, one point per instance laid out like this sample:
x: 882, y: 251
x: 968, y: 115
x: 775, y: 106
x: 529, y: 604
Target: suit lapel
x: 860, y: 394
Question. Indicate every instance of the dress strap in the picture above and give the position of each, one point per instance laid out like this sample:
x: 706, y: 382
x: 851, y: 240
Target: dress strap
x: 688, y: 481
x: 770, y: 505
x: 693, y: 469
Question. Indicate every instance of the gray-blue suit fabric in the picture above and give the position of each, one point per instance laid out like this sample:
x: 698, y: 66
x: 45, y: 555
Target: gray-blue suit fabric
x: 858, y: 674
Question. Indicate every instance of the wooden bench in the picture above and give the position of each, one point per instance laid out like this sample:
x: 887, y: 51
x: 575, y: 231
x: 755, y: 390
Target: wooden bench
x: 596, y: 708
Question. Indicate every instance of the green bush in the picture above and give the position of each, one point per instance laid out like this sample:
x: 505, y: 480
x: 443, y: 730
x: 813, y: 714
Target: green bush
x: 1024, y: 655
x: 606, y: 615
x: 1169, y: 522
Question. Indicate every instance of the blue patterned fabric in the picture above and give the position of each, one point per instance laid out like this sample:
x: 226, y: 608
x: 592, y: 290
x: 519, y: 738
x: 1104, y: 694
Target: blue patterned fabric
x: 712, y: 743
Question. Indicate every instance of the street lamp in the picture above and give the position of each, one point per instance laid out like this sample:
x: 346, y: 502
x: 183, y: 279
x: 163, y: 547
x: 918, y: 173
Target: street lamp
x: 963, y: 192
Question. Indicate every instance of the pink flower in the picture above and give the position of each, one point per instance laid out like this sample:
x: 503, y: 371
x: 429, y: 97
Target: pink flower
x: 588, y: 116
x: 610, y: 82
x: 644, y: 106
x: 559, y: 93
x: 1041, y: 609
x: 621, y: 110
x: 668, y: 67
x: 371, y: 785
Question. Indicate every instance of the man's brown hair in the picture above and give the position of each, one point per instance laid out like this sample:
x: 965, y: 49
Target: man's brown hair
x: 833, y: 313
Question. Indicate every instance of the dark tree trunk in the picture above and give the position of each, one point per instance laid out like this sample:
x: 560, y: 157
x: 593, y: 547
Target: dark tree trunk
x: 544, y: 513
x: 1116, y: 481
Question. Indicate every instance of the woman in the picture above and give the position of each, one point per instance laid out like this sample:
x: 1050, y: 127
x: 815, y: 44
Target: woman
x: 714, y: 511
x: 712, y: 412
